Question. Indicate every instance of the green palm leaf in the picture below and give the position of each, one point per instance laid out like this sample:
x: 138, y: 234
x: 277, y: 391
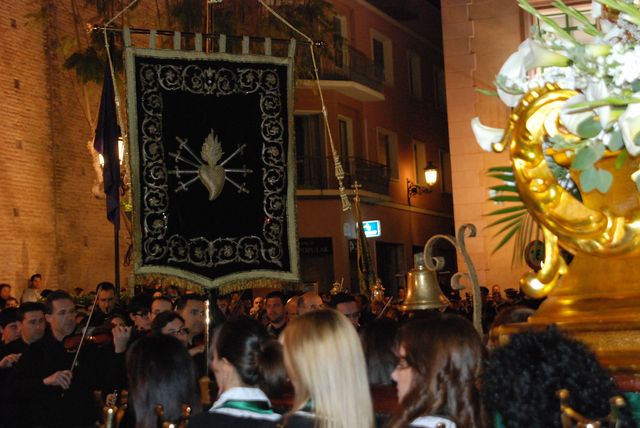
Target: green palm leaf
x: 514, y: 220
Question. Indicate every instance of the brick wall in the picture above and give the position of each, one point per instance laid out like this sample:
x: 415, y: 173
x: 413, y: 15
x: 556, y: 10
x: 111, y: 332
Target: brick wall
x: 50, y: 222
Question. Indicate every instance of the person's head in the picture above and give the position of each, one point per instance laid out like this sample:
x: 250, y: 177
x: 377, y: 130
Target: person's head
x: 173, y: 291
x: 439, y: 362
x: 11, y: 302
x: 191, y: 309
x: 507, y: 315
x: 522, y: 378
x: 274, y: 306
x: 172, y: 324
x: 326, y: 365
x: 139, y: 312
x: 243, y: 354
x: 346, y: 304
x: 258, y: 303
x: 35, y: 281
x: 60, y: 313
x: 160, y: 371
x: 11, y: 325
x: 160, y: 304
x: 309, y: 301
x: 222, y: 301
x: 291, y: 308
x: 5, y: 291
x: 31, y: 315
x: 106, y: 297
x: 378, y: 342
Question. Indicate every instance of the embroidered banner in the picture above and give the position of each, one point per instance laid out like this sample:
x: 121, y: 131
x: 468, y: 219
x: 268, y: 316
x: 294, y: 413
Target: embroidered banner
x: 212, y: 165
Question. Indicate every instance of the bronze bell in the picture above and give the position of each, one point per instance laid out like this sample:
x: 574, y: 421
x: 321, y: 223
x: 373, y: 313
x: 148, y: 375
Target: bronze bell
x: 423, y: 290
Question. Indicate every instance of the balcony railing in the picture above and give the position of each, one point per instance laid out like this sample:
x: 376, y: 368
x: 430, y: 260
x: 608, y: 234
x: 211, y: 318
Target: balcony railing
x: 348, y: 64
x: 318, y: 173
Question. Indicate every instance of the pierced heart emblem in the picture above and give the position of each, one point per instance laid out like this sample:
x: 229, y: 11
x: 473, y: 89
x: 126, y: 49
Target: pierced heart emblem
x: 213, y: 179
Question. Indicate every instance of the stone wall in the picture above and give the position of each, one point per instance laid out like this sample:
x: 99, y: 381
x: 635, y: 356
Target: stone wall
x: 478, y: 37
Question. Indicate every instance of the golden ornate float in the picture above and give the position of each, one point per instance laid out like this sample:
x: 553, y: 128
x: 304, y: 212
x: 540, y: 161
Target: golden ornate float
x: 596, y: 298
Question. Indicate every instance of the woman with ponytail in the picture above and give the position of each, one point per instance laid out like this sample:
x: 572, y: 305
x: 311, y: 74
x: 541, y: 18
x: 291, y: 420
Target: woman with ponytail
x: 246, y: 363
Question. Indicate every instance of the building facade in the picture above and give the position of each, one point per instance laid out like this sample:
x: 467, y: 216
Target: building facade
x: 384, y: 93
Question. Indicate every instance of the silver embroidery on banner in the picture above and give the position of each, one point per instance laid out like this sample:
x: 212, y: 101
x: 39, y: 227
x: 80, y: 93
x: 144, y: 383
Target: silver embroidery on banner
x: 218, y: 82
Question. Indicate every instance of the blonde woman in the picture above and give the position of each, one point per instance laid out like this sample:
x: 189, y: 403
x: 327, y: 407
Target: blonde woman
x: 325, y: 362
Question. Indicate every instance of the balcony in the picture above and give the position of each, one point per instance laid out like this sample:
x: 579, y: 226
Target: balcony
x: 349, y: 71
x: 318, y: 173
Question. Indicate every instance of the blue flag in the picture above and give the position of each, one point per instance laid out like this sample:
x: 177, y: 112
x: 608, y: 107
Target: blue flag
x: 106, y: 143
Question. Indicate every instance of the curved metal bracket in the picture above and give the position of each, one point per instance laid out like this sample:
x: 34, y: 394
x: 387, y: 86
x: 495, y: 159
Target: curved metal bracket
x: 434, y: 264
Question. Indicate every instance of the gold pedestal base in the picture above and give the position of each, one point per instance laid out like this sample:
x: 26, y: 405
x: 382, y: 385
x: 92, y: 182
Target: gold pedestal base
x: 617, y: 345
x: 597, y: 303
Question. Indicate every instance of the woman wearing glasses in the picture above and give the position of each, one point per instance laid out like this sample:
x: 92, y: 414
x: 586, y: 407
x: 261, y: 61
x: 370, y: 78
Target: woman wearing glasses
x: 246, y: 363
x: 439, y: 361
x: 171, y: 324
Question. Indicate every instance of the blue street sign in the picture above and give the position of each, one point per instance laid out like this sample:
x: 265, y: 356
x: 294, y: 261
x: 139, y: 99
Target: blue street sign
x: 371, y: 228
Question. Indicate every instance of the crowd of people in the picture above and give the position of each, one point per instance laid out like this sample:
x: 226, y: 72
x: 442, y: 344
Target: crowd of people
x: 302, y: 360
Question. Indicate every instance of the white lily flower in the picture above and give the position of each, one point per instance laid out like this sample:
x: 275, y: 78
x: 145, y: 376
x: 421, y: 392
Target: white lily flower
x: 536, y: 55
x: 512, y: 71
x: 629, y: 123
x: 597, y: 49
x: 578, y: 121
x: 598, y: 91
x: 596, y: 9
x: 486, y: 136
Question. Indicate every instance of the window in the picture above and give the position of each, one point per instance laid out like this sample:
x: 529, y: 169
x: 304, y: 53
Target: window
x: 388, y: 151
x: 419, y: 161
x: 415, y: 76
x: 345, y: 131
x: 309, y: 146
x: 567, y: 22
x: 381, y: 50
x: 339, y: 41
x: 440, y: 98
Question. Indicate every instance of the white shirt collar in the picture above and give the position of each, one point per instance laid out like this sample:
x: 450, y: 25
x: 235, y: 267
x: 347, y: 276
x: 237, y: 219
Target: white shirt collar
x: 431, y: 421
x: 241, y: 393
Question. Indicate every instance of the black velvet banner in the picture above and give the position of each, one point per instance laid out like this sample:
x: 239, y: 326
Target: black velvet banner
x: 213, y: 195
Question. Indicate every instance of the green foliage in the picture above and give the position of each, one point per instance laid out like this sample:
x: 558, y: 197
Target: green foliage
x: 514, y: 220
x: 312, y: 17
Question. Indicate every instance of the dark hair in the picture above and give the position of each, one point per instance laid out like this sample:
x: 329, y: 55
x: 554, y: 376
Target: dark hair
x: 522, y: 378
x: 378, y: 343
x: 162, y: 319
x: 4, y: 285
x: 223, y: 297
x: 276, y: 294
x: 160, y: 371
x: 446, y: 354
x: 52, y: 297
x: 140, y: 302
x: 105, y: 286
x: 181, y: 303
x: 341, y: 298
x: 257, y: 358
x: 7, y: 316
x: 29, y: 307
x: 34, y: 276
